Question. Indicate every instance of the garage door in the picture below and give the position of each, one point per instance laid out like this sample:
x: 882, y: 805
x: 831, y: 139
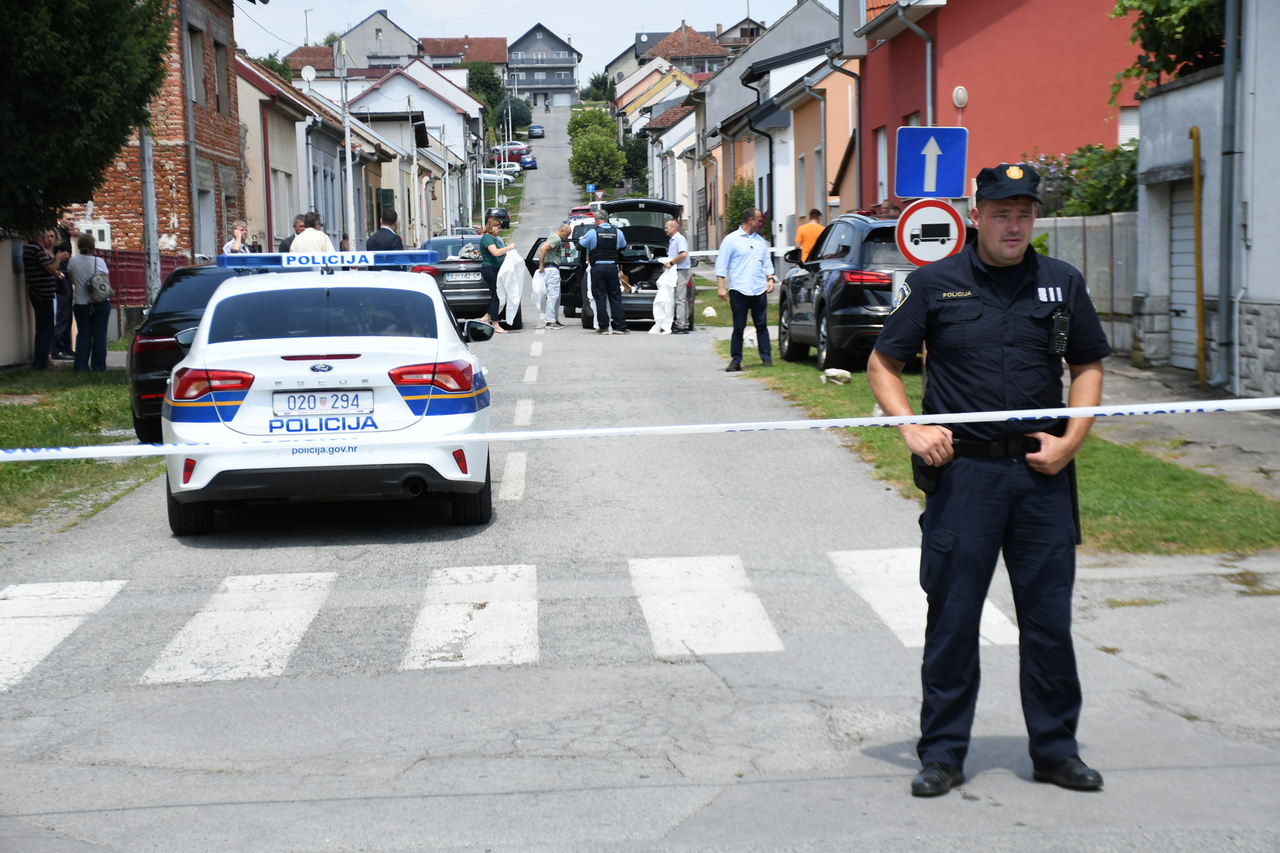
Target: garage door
x: 1182, y: 277
x: 562, y: 99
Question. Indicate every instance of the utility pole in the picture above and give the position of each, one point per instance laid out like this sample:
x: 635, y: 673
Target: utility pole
x: 417, y: 221
x: 150, y: 236
x: 346, y: 129
x: 306, y: 24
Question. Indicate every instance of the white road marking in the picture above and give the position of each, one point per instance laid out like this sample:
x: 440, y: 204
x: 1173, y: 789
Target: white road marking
x: 702, y: 606
x: 36, y: 617
x: 540, y: 331
x: 889, y: 580
x: 476, y: 616
x: 249, y: 628
x: 535, y: 349
x: 513, y: 476
x: 531, y: 373
x: 524, y: 412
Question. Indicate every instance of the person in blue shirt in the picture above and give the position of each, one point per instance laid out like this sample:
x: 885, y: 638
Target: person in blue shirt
x: 603, y: 245
x: 744, y: 260
x: 993, y: 318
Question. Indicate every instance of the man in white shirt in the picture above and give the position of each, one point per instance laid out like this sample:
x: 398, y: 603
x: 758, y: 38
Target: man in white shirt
x: 239, y: 242
x: 312, y: 241
x: 678, y: 256
x: 744, y: 260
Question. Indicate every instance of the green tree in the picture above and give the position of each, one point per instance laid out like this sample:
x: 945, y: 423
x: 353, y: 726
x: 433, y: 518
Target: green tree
x: 81, y: 73
x: 333, y: 36
x: 741, y: 196
x: 1105, y: 181
x: 521, y: 114
x: 1177, y: 37
x: 596, y: 159
x: 275, y: 63
x: 484, y: 82
x: 587, y: 119
x: 637, y: 151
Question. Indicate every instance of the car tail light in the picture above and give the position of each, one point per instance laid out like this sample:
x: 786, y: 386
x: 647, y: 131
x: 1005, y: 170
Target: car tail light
x: 429, y: 270
x: 461, y: 458
x: 326, y: 357
x: 193, y: 383
x: 863, y: 277
x: 188, y: 468
x: 447, y: 375
x: 152, y: 343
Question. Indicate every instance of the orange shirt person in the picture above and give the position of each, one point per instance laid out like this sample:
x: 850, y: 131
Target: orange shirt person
x: 808, y: 234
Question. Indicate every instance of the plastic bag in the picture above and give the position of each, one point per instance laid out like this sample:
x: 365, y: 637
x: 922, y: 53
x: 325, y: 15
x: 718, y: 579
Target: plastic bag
x: 591, y: 300
x: 664, y: 304
x: 511, y: 278
x: 539, y: 290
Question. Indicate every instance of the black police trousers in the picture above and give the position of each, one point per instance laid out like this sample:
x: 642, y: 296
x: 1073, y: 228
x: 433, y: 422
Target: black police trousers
x: 983, y: 506
x: 606, y: 289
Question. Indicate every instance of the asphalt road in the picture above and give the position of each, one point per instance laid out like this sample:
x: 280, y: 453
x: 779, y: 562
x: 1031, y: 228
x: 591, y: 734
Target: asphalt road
x: 683, y: 644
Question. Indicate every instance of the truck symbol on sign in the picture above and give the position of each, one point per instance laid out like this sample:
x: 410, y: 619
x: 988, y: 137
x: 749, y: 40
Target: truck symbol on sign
x: 939, y: 232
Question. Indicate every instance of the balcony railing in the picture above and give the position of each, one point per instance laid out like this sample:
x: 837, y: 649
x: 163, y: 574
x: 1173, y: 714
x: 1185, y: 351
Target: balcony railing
x: 543, y: 60
x: 530, y: 83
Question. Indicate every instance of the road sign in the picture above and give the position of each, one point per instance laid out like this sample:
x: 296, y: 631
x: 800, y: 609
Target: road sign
x: 591, y: 188
x: 600, y: 194
x: 931, y: 162
x: 929, y: 230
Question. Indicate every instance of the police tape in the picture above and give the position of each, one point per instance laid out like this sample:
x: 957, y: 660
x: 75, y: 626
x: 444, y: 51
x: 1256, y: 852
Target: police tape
x: 116, y: 451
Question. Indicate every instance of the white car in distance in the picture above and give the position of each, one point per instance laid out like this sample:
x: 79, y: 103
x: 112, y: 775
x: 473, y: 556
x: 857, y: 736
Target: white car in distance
x: 493, y: 176
x: 332, y: 384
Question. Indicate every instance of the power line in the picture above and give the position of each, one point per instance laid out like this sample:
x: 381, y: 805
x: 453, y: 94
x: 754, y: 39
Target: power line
x: 284, y: 41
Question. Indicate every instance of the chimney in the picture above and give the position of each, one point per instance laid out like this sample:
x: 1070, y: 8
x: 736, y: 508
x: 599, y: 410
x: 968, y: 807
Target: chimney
x: 719, y: 30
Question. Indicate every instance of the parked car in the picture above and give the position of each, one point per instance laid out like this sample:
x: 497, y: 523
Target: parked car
x: 512, y: 169
x: 493, y: 176
x: 500, y: 214
x: 528, y: 162
x: 509, y: 152
x: 646, y: 243
x: 459, y: 278
x: 466, y: 231
x: 154, y: 350
x: 837, y: 300
x: 536, y: 131
x: 584, y: 210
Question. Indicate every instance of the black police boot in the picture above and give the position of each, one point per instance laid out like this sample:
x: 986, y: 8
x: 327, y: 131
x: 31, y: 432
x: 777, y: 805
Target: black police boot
x: 936, y: 779
x: 1071, y: 773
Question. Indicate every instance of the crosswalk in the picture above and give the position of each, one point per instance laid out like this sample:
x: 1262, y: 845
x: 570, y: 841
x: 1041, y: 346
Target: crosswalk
x: 467, y: 616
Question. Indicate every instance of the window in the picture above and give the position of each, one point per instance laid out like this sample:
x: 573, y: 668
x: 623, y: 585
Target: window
x: 559, y: 54
x: 322, y: 313
x: 819, y: 180
x: 619, y: 76
x: 222, y: 69
x: 913, y: 120
x: 801, y: 200
x: 539, y: 55
x: 839, y: 242
x: 882, y: 165
x: 539, y: 33
x: 520, y: 75
x: 539, y: 75
x: 517, y: 55
x: 377, y: 33
x: 1130, y: 129
x: 563, y: 75
x: 195, y: 44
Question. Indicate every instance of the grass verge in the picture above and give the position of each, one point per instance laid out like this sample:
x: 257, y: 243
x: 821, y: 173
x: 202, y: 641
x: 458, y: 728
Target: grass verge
x: 70, y: 409
x: 1130, y: 501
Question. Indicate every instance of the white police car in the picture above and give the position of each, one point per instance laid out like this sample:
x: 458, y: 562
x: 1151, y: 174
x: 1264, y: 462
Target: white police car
x: 327, y: 382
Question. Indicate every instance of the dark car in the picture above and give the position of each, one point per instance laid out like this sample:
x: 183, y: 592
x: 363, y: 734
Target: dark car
x: 459, y: 277
x: 154, y: 350
x: 528, y: 162
x: 536, y: 131
x: 641, y: 221
x: 838, y: 299
x: 500, y: 214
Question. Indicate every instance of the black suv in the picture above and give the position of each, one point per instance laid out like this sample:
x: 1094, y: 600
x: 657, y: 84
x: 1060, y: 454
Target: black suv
x: 498, y: 213
x: 641, y: 221
x: 838, y: 299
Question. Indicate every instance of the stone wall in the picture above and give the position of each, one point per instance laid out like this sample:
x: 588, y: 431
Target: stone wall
x: 1259, y: 349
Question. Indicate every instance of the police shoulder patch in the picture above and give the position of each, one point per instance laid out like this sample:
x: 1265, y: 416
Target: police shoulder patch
x: 900, y: 296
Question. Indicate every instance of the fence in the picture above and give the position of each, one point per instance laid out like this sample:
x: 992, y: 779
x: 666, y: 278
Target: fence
x: 1105, y: 249
x: 129, y: 274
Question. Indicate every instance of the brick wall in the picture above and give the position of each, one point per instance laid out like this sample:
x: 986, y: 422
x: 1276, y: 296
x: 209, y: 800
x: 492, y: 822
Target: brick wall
x: 218, y: 146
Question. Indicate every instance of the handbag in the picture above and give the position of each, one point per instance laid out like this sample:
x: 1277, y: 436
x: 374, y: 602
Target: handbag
x: 100, y: 288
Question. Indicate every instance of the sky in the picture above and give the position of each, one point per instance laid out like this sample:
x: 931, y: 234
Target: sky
x: 600, y: 31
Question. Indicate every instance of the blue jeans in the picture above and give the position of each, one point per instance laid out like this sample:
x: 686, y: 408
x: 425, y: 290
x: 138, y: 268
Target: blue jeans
x: 740, y: 303
x: 606, y: 288
x: 91, y: 335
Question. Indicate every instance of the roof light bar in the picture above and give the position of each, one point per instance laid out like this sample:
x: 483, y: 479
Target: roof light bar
x: 335, y: 259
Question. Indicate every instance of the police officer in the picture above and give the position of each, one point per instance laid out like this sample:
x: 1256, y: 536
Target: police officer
x: 998, y: 320
x: 602, y: 245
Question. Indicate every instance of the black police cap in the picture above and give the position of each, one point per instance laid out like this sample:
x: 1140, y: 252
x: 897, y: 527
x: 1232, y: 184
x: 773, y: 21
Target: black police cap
x: 1005, y: 181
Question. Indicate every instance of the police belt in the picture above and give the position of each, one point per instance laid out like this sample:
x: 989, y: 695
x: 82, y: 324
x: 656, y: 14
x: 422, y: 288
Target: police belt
x: 1001, y: 449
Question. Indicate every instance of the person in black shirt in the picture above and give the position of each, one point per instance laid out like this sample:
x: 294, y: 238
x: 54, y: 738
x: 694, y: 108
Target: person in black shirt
x: 299, y: 225
x: 66, y: 231
x: 986, y: 315
x: 385, y: 239
x: 40, y: 262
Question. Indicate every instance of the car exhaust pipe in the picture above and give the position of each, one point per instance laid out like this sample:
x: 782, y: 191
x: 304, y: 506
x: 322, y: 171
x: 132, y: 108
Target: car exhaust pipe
x: 415, y: 486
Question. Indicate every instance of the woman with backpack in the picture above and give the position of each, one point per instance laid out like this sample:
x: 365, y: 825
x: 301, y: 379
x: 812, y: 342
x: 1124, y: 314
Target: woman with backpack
x: 90, y: 304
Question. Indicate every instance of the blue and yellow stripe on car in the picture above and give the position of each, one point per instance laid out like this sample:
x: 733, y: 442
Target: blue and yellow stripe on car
x: 211, y: 408
x: 434, y: 401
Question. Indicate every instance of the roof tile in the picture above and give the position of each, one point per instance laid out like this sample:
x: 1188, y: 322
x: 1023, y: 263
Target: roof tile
x: 318, y: 56
x: 686, y: 42
x: 486, y: 49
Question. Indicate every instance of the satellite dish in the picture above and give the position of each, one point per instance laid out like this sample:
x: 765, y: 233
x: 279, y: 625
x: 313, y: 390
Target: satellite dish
x: 307, y: 73
x: 644, y: 37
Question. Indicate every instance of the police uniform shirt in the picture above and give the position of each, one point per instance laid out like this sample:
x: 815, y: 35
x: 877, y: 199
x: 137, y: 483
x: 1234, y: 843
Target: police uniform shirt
x: 987, y: 344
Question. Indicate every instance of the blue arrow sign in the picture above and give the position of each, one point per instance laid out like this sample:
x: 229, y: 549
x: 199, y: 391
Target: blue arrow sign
x: 931, y: 162
x: 591, y: 188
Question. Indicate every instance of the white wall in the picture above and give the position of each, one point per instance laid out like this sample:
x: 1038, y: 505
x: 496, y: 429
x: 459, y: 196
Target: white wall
x: 1259, y: 167
x: 17, y: 326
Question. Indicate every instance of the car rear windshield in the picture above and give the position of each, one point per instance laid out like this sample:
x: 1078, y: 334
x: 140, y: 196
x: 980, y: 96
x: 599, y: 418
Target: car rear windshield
x: 643, y: 218
x: 450, y: 247
x: 189, y: 290
x: 880, y: 248
x: 320, y: 312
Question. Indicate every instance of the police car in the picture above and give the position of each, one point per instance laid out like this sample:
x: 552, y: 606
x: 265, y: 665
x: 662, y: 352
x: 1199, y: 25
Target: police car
x: 327, y: 382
